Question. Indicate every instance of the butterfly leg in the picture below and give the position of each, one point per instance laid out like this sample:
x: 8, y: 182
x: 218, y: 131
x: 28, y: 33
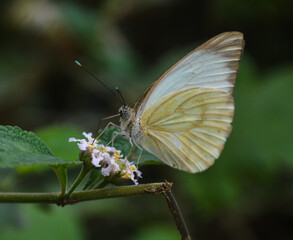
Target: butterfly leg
x: 108, y: 125
x: 114, y: 135
x: 100, y: 121
x: 130, y: 141
x: 130, y: 153
x: 139, y: 155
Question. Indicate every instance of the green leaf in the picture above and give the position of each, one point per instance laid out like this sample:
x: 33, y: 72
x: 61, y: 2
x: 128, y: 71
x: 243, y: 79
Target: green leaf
x: 14, y: 138
x: 22, y: 148
x: 123, y: 144
x: 56, y: 138
x: 21, y: 158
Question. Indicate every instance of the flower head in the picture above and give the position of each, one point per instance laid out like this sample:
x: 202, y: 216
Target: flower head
x: 108, y: 159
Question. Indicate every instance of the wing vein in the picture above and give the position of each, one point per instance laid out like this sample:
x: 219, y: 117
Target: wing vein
x: 173, y: 152
x: 201, y: 147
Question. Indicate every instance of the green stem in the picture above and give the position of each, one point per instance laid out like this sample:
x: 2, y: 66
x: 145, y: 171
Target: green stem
x: 29, y: 197
x: 81, y: 196
x: 83, y: 172
x: 61, y: 174
x: 114, y: 192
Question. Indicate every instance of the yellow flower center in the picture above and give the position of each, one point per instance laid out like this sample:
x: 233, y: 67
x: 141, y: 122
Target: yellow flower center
x: 133, y: 168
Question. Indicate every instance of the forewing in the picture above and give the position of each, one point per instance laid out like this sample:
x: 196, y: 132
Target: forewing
x: 214, y: 65
x: 188, y: 129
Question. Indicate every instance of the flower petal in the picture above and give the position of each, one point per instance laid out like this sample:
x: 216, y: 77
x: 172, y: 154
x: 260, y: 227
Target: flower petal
x: 110, y: 149
x: 87, y: 135
x: 72, y: 139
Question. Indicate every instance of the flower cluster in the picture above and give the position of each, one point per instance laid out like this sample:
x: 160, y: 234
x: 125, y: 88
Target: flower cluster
x: 108, y: 159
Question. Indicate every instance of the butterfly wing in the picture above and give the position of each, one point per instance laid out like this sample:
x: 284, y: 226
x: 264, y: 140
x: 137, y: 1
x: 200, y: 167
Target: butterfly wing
x: 214, y: 65
x: 187, y: 129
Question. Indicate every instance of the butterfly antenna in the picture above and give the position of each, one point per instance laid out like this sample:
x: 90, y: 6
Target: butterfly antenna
x: 100, y: 81
x: 120, y: 94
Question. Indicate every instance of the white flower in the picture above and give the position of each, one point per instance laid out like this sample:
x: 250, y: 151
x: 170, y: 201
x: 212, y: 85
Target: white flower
x: 109, y: 166
x: 88, y: 136
x: 130, y: 171
x: 105, y: 161
x: 72, y: 139
x: 108, y: 159
x: 117, y: 155
x: 110, y: 149
x: 84, y: 145
x: 97, y: 158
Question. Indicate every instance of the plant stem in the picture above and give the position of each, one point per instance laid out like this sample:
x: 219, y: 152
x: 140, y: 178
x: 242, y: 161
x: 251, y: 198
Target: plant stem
x: 80, y: 196
x: 117, y: 192
x: 114, y: 192
x: 83, y: 172
x: 175, y: 210
x: 61, y: 174
x: 29, y: 197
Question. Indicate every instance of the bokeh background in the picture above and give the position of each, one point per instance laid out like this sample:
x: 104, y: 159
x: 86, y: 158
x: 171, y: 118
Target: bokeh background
x: 247, y: 194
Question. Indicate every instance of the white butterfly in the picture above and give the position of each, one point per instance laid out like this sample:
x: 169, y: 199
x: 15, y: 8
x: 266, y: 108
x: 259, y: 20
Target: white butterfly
x: 184, y: 117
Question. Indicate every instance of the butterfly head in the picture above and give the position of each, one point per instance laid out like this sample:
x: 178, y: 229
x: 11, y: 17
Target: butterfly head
x: 125, y: 112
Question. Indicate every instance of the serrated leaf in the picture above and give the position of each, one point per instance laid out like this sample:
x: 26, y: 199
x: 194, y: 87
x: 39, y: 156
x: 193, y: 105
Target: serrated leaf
x: 22, y: 148
x: 123, y: 144
x: 16, y: 139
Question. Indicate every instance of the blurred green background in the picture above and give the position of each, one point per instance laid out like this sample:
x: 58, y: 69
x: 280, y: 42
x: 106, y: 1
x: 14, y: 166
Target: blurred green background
x: 247, y: 194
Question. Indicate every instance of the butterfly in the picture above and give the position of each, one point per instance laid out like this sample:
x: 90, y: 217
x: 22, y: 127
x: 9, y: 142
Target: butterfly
x: 184, y: 117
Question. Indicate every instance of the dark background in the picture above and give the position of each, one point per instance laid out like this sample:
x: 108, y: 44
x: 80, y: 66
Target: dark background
x: 247, y: 194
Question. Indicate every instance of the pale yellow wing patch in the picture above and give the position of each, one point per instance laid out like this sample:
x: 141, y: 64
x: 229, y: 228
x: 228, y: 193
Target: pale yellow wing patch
x: 188, y: 129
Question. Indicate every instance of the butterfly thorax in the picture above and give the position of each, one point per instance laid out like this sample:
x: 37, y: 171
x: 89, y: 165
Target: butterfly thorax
x: 127, y: 117
x: 129, y: 124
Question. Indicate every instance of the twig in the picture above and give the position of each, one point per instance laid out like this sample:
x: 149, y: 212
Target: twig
x: 175, y: 210
x: 113, y: 192
x: 80, y: 196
